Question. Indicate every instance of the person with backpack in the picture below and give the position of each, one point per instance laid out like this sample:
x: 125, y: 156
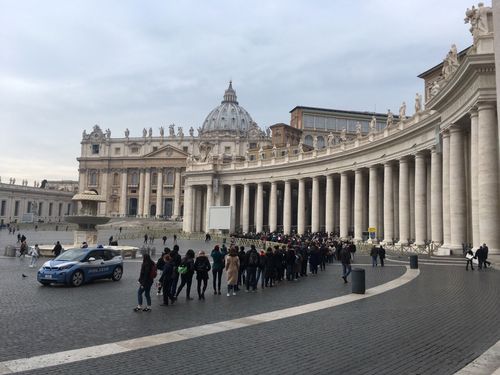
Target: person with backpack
x: 146, y: 278
x: 202, y: 266
x: 166, y: 279
x: 218, y: 266
x: 252, y: 261
x: 186, y: 271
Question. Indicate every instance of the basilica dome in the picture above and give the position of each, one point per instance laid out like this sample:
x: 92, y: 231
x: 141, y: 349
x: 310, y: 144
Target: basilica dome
x: 228, y: 117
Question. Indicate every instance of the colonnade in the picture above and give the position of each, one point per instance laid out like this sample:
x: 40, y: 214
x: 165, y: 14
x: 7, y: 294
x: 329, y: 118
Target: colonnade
x: 446, y: 193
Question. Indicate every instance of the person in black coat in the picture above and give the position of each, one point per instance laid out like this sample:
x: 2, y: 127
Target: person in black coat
x: 176, y: 260
x: 57, y: 249
x: 345, y: 259
x: 202, y: 266
x: 166, y: 279
x: 269, y: 268
x: 243, y: 265
x: 187, y: 277
x: 374, y: 255
x: 146, y: 279
x: 381, y: 255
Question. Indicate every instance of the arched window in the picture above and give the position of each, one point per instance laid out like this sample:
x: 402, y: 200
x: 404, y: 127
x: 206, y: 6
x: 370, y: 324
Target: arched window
x: 321, y: 142
x: 308, y: 140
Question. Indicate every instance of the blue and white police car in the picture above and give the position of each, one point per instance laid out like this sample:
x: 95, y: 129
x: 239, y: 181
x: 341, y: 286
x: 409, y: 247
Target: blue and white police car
x: 77, y: 266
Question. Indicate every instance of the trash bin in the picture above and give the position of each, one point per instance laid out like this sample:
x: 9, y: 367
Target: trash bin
x: 358, y: 280
x: 10, y: 251
x: 413, y: 261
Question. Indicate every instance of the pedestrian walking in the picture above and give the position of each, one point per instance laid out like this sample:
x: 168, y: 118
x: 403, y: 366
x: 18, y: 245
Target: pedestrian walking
x: 345, y: 259
x: 35, y: 254
x: 374, y: 255
x: 381, y: 255
x: 166, y: 279
x: 232, y: 267
x: 186, y: 270
x: 176, y: 262
x: 469, y: 255
x: 202, y: 266
x: 146, y: 238
x: 252, y: 261
x: 164, y: 238
x: 217, y: 267
x: 146, y: 279
x: 23, y: 249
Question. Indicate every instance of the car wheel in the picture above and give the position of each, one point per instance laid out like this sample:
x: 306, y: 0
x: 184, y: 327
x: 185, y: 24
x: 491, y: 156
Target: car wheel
x: 77, y: 278
x: 117, y: 274
x: 45, y: 283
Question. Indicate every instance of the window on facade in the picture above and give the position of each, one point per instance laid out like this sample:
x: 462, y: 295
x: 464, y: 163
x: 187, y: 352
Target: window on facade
x: 319, y: 122
x: 185, y: 149
x: 154, y: 179
x: 2, y: 208
x: 30, y: 206
x: 252, y: 157
x: 68, y: 209
x: 117, y: 150
x: 308, y: 140
x: 40, y: 208
x: 252, y: 145
x: 308, y: 121
x: 60, y: 209
x: 155, y: 148
x: 134, y: 179
x: 16, y: 208
x: 95, y: 149
x: 227, y: 149
x: 134, y: 150
x: 321, y: 142
x: 93, y: 178
x: 341, y: 124
x: 50, y: 208
x: 169, y: 178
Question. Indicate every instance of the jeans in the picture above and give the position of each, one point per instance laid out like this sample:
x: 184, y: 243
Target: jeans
x: 260, y: 272
x: 175, y: 280
x: 469, y: 261
x: 146, y: 290
x: 217, y: 274
x: 167, y: 291
x: 374, y: 261
x: 33, y: 261
x: 346, y: 270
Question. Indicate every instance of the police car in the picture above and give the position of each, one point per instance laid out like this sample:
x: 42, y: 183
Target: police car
x: 77, y: 266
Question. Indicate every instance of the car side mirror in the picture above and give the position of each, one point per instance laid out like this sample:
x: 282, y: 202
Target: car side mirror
x: 91, y: 259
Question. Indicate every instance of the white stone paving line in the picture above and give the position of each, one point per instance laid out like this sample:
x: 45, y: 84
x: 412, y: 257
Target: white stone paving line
x: 97, y: 351
x: 428, y: 262
x: 487, y: 363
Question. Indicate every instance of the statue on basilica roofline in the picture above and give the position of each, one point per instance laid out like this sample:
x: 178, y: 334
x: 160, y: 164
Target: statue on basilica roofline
x: 373, y: 124
x: 390, y: 119
x: 301, y: 147
x: 358, y: 129
x: 402, y: 112
x: 127, y: 133
x: 162, y: 131
x: 191, y: 131
x: 144, y: 132
x: 418, y: 102
x: 450, y: 62
x: 150, y: 132
x: 330, y: 138
x: 84, y: 134
x: 171, y: 130
x: 180, y: 131
x: 343, y: 134
x: 108, y: 133
x: 435, y: 87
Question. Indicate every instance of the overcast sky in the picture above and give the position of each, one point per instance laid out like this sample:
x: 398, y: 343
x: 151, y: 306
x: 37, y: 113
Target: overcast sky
x: 67, y: 65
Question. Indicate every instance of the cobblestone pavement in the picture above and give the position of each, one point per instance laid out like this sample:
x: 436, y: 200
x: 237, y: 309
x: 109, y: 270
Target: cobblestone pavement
x: 437, y: 324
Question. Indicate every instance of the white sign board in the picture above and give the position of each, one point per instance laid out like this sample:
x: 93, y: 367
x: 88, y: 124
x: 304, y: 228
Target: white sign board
x: 219, y: 217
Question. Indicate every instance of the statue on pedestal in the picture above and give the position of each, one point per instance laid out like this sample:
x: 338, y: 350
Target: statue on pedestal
x: 390, y: 119
x: 402, y: 112
x: 127, y: 133
x: 418, y: 102
x: 343, y: 135
x: 191, y: 132
x: 477, y: 17
x: 162, y: 131
x: 150, y: 132
x: 180, y: 132
x: 450, y: 62
x: 373, y: 124
x: 358, y: 130
x: 144, y: 132
x: 171, y: 130
x: 330, y: 139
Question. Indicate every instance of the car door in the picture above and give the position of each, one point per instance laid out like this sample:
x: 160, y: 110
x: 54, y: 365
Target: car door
x: 94, y: 268
x: 107, y: 267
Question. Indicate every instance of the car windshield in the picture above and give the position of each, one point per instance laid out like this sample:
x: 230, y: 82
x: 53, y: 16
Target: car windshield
x: 73, y: 255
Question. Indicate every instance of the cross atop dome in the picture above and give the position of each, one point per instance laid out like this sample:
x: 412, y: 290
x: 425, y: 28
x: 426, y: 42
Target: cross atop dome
x: 230, y: 94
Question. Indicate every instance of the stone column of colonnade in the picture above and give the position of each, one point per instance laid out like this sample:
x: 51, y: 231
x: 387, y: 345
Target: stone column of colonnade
x: 345, y: 204
x: 436, y: 197
x: 287, y: 208
x: 420, y: 199
x: 404, y: 201
x: 246, y: 208
x: 474, y: 174
x: 147, y: 192
x: 187, y: 225
x: 359, y: 203
x: 232, y: 203
x: 446, y: 189
x: 315, y: 205
x: 177, y: 194
x: 123, y: 194
x: 209, y: 203
x: 140, y: 205
x: 259, y: 208
x: 329, y: 200
x: 373, y: 199
x: 388, y: 202
x: 273, y: 206
x: 488, y: 175
x: 458, y: 209
x: 301, y: 206
x: 159, y: 193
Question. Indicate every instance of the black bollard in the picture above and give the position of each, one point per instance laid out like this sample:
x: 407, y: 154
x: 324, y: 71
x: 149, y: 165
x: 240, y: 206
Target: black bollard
x: 413, y: 262
x: 358, y: 280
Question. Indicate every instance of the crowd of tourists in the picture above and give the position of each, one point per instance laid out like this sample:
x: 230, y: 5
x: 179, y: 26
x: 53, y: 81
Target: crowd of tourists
x: 246, y: 270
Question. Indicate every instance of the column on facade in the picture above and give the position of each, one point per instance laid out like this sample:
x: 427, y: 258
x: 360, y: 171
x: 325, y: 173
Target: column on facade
x: 232, y: 203
x: 411, y: 186
x: 345, y: 202
x: 436, y: 197
x: 209, y: 203
x: 315, y: 205
x: 373, y: 199
x: 420, y: 199
x: 474, y: 174
x: 458, y: 210
x: 388, y: 203
x: 329, y: 212
x: 404, y: 202
x: 147, y: 191
x: 187, y: 222
x: 177, y: 193
x: 259, y: 208
x: 446, y: 189
x: 287, y: 208
x: 359, y: 203
x: 123, y: 194
x: 488, y: 176
x: 246, y: 208
x: 159, y: 193
x: 273, y: 207
x: 301, y: 207
x: 104, y: 207
x: 140, y: 205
